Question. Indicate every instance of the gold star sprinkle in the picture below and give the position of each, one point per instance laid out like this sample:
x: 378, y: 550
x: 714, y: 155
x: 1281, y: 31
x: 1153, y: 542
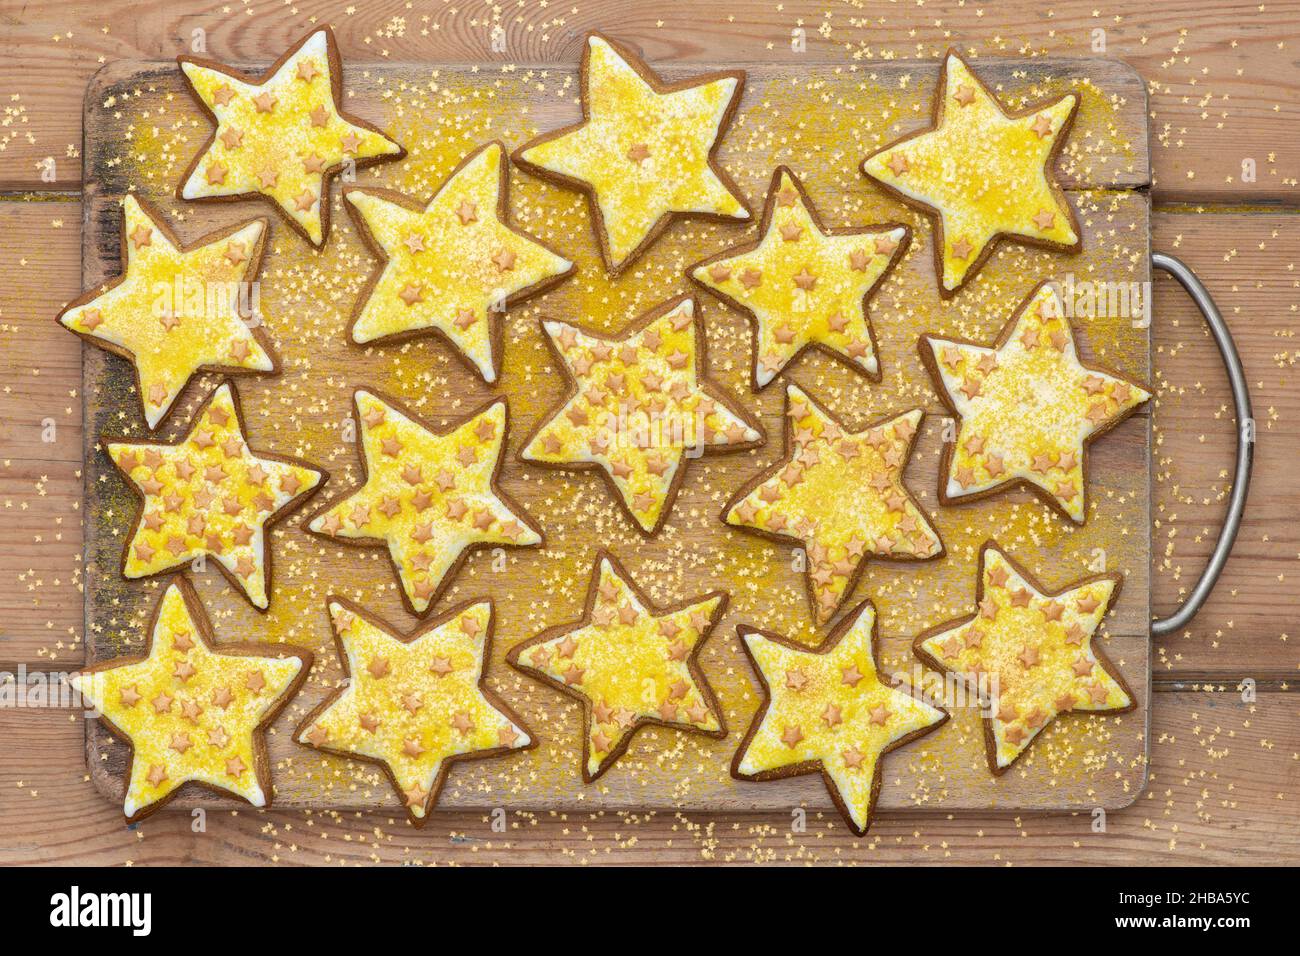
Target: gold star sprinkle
x: 451, y: 253
x: 210, y: 495
x: 428, y: 708
x: 826, y: 723
x: 981, y: 173
x: 1034, y: 658
x: 643, y: 151
x: 150, y: 315
x: 1028, y: 407
x: 427, y: 525
x: 192, y: 742
x: 637, y: 405
x: 818, y: 282
x: 620, y: 662
x: 289, y: 113
x: 824, y: 464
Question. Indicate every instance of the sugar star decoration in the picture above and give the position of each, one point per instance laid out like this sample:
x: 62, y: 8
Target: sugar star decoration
x: 803, y: 284
x: 429, y: 497
x: 982, y: 173
x: 281, y: 135
x: 161, y: 313
x: 630, y: 664
x: 193, y: 710
x: 839, y: 494
x: 829, y: 709
x: 637, y: 405
x: 452, y: 266
x: 1029, y: 653
x: 644, y: 150
x: 209, y: 495
x: 414, y: 703
x: 1028, y: 407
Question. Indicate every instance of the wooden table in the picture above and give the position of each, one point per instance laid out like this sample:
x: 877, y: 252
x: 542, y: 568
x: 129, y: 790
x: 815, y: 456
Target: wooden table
x: 1225, y: 755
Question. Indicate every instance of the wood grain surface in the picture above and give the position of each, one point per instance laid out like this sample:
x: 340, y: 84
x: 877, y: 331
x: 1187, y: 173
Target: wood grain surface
x: 1222, y: 791
x: 1223, y: 774
x: 1222, y: 76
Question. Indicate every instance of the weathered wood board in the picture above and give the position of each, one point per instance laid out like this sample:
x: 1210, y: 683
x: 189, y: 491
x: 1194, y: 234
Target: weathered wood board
x: 142, y: 130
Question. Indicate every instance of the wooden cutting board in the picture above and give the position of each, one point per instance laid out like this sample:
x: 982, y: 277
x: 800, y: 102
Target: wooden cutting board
x: 142, y: 129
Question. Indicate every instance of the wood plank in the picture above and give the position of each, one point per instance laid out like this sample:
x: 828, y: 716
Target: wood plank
x: 40, y: 564
x: 1223, y: 774
x: 1222, y: 83
x: 40, y: 256
x: 695, y: 553
x: 40, y: 436
x: 1250, y: 263
x: 1247, y: 260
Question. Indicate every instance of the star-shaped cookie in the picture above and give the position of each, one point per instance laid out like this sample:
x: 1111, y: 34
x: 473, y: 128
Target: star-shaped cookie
x: 452, y: 266
x: 209, y: 495
x: 839, y: 494
x: 828, y: 709
x: 1028, y: 653
x: 982, y: 173
x: 428, y: 496
x: 630, y: 663
x: 281, y: 135
x: 176, y: 309
x: 644, y: 151
x: 414, y: 703
x: 1028, y: 407
x: 637, y: 407
x: 191, y: 709
x: 804, y: 285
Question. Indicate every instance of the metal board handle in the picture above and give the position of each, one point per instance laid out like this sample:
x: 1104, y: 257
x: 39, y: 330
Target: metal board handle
x: 1193, y: 286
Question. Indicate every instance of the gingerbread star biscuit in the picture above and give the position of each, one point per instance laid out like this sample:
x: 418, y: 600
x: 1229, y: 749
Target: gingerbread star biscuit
x: 828, y: 709
x: 839, y: 494
x: 191, y: 709
x: 630, y: 663
x: 175, y: 309
x: 209, y: 495
x: 1029, y: 653
x: 644, y: 151
x: 414, y: 703
x: 428, y: 496
x: 982, y: 173
x: 1028, y: 407
x: 281, y: 135
x: 637, y: 406
x: 804, y: 285
x: 452, y: 266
